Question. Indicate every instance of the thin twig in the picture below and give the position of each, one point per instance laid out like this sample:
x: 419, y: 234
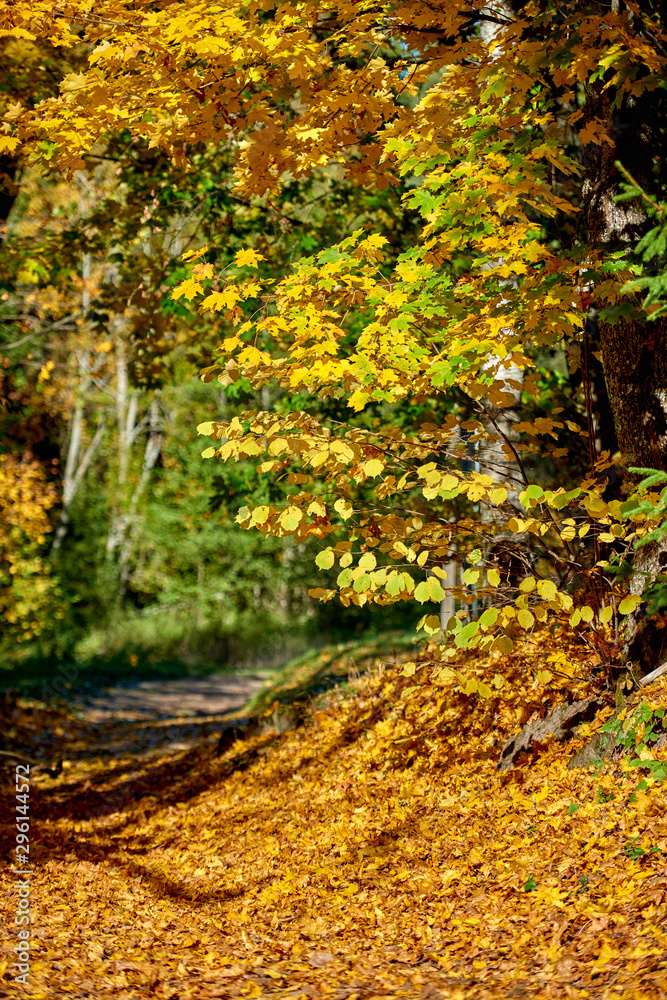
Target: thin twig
x: 660, y: 209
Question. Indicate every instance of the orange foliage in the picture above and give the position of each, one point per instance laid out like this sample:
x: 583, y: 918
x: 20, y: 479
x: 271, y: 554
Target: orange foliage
x: 25, y: 587
x: 488, y: 118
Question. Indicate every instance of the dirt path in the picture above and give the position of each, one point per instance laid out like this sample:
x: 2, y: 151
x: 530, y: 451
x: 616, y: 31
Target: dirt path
x: 187, y: 696
x: 150, y: 717
x: 164, y: 714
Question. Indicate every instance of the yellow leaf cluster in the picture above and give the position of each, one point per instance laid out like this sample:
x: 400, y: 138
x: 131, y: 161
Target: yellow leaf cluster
x: 26, y: 589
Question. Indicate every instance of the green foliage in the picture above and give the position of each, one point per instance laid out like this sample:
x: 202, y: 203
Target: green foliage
x: 633, y: 849
x: 306, y: 677
x: 648, y: 509
x: 634, y: 734
x: 183, y: 561
x: 651, y: 248
x: 643, y: 502
x: 626, y: 733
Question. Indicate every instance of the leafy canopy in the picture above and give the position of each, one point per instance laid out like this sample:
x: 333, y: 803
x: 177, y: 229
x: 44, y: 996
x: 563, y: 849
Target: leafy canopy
x: 483, y: 117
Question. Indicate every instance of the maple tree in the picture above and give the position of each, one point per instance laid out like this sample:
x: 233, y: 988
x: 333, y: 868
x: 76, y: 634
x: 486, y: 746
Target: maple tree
x: 427, y: 389
x: 506, y: 125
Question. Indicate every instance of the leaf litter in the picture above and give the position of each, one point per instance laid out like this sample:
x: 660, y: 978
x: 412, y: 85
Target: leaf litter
x: 375, y: 851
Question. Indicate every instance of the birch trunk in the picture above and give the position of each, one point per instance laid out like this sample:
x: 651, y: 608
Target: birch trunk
x: 506, y: 551
x: 77, y: 465
x: 152, y: 451
x: 125, y: 428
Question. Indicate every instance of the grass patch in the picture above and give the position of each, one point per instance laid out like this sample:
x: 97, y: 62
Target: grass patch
x: 307, y: 677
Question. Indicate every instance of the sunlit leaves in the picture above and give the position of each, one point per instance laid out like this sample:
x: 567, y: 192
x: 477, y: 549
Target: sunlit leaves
x: 525, y: 618
x: 367, y: 561
x: 188, y: 289
x: 404, y: 339
x: 629, y: 604
x: 290, y: 518
x: 531, y: 495
x: 325, y: 559
x: 374, y: 467
x: 248, y: 258
x: 343, y: 508
x: 488, y: 618
x: 547, y: 589
x: 429, y: 590
x: 606, y: 615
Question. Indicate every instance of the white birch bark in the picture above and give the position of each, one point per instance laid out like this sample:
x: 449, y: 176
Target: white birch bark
x: 77, y: 465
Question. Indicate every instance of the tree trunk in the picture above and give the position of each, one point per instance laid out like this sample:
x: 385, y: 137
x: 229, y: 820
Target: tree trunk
x: 151, y: 455
x: 448, y: 603
x: 635, y: 362
x: 635, y: 357
x: 506, y: 551
x: 634, y: 349
x: 8, y: 186
x: 125, y: 427
x: 76, y: 467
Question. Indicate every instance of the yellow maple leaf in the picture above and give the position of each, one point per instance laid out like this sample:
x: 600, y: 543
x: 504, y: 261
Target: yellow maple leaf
x: 187, y: 289
x: 248, y: 258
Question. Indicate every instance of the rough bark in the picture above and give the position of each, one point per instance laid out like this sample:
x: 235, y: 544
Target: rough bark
x: 635, y: 358
x: 634, y: 350
x: 589, y: 376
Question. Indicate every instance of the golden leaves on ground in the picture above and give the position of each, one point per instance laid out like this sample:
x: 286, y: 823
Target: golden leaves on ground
x: 376, y: 852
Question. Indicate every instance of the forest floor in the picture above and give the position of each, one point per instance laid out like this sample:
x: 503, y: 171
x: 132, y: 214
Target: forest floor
x: 373, y: 852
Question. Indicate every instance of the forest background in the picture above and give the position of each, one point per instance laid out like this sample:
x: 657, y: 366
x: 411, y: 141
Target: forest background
x: 120, y: 551
x: 432, y: 354
x: 124, y: 546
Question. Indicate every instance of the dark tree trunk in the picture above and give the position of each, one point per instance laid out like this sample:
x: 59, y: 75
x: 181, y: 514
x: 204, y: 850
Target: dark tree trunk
x: 634, y: 350
x: 635, y: 363
x: 591, y: 371
x: 8, y: 186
